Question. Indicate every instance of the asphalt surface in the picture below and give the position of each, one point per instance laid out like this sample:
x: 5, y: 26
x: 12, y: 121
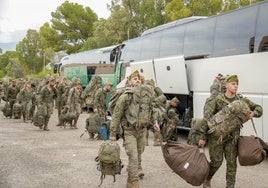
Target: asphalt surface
x: 31, y: 158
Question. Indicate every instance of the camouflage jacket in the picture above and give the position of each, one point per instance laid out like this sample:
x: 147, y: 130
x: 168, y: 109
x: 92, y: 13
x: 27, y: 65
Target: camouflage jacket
x: 135, y: 109
x: 215, y: 104
x: 100, y: 101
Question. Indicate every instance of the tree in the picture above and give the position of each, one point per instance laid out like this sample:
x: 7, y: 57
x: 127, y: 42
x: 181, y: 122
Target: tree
x: 74, y: 25
x: 30, y: 52
x: 50, y: 38
x: 5, y: 61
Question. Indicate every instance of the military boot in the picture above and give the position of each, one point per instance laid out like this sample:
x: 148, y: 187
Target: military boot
x: 207, y: 183
x: 140, y: 173
x: 132, y: 184
x: 45, y: 128
x: 91, y: 136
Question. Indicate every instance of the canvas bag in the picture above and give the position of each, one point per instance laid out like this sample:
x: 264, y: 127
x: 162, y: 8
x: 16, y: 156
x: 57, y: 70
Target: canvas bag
x: 228, y: 119
x: 7, y: 110
x: 108, y: 159
x: 186, y: 161
x: 93, y: 121
x: 251, y: 150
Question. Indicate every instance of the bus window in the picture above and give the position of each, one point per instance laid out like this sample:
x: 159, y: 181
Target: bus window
x: 172, y: 41
x: 233, y: 32
x: 199, y: 37
x: 131, y: 51
x: 90, y: 72
x: 150, y: 46
x: 261, y: 41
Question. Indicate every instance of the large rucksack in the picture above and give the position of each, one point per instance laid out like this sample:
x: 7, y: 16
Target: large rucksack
x: 17, y: 110
x: 114, y: 96
x: 230, y: 118
x: 89, y: 92
x: 139, y: 107
x: 108, y: 159
x: 93, y: 121
x: 7, y: 110
x: 39, y: 118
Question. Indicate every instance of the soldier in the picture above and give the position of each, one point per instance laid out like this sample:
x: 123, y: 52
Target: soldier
x: 46, y: 100
x: 74, y: 100
x: 25, y: 99
x: 101, y: 98
x: 61, y: 89
x: 172, y: 118
x: 129, y: 114
x: 160, y: 104
x: 11, y: 94
x: 228, y: 146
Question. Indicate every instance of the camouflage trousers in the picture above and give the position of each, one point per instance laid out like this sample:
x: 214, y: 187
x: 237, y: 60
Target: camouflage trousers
x: 48, y: 110
x: 134, y: 144
x: 228, y: 149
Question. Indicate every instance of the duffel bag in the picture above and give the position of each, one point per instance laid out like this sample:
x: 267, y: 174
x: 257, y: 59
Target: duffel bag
x: 186, y: 161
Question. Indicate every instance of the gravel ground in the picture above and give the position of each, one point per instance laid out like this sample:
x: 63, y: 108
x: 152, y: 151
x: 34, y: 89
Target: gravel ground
x: 31, y: 158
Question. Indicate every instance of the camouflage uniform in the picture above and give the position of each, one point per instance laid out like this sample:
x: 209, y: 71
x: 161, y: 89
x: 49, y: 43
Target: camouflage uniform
x: 25, y: 98
x: 74, y: 100
x: 172, y: 118
x: 89, y: 93
x: 46, y: 100
x: 11, y: 95
x: 100, y: 101
x: 228, y: 145
x: 134, y: 132
x: 61, y: 88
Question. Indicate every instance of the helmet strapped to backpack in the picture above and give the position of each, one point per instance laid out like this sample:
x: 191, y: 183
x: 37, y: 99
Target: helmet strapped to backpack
x: 108, y: 159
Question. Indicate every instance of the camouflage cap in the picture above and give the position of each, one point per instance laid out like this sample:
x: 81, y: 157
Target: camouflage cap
x: 109, y: 83
x: 134, y: 74
x: 231, y: 78
x: 50, y: 79
x: 175, y: 100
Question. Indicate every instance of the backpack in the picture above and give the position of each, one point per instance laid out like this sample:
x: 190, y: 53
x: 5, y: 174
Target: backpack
x: 108, y: 159
x: 89, y: 92
x: 114, y: 96
x: 228, y: 119
x: 93, y: 121
x: 39, y: 118
x: 17, y: 107
x: 139, y: 109
x: 7, y: 110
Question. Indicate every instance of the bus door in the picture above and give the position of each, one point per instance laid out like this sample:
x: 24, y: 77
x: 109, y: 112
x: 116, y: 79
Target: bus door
x: 170, y: 74
x: 146, y: 69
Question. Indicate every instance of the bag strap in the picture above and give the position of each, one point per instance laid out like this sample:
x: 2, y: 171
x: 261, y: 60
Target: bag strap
x: 254, y: 127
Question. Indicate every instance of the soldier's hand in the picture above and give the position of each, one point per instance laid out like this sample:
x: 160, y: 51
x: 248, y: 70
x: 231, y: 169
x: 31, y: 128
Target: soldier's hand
x: 201, y: 143
x: 250, y: 115
x: 95, y: 110
x: 112, y: 138
x: 156, y: 126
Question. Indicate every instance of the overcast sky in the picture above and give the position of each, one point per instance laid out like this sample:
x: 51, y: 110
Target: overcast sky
x: 17, y: 16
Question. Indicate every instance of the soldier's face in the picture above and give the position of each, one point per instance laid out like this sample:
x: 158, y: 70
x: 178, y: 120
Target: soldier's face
x: 134, y: 81
x: 232, y: 87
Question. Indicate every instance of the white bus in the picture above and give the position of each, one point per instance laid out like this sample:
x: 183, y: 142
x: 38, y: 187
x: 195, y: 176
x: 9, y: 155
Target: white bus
x: 183, y: 57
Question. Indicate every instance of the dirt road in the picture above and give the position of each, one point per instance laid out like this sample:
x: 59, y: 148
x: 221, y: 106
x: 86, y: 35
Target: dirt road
x: 31, y: 158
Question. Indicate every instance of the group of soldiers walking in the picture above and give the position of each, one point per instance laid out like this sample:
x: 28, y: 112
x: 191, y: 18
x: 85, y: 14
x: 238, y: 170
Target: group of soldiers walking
x: 70, y: 99
x: 32, y: 96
